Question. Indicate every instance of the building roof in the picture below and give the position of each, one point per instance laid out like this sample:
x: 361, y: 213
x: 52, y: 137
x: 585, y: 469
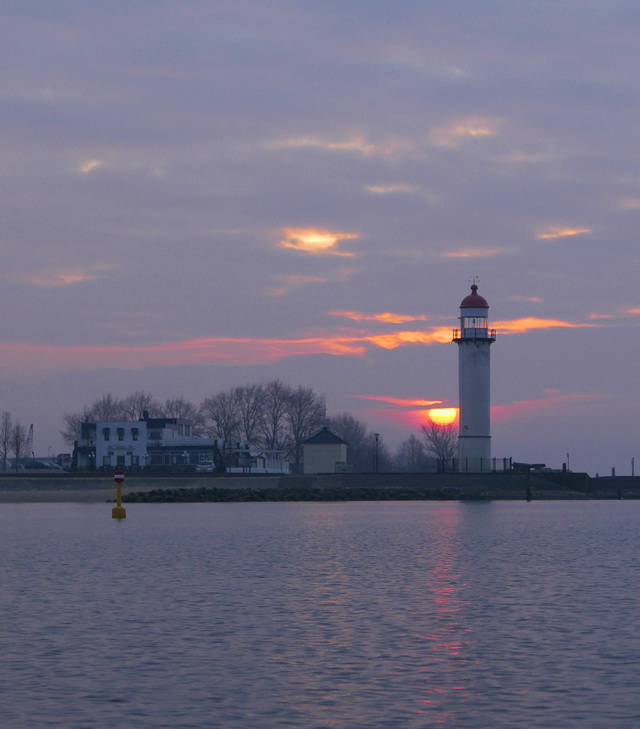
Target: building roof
x: 323, y: 437
x: 474, y: 300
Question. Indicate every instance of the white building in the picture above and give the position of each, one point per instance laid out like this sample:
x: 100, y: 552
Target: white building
x: 324, y: 452
x: 151, y: 442
x: 474, y: 340
x: 165, y: 444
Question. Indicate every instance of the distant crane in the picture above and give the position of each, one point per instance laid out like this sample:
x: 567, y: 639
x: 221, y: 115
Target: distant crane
x: 28, y: 446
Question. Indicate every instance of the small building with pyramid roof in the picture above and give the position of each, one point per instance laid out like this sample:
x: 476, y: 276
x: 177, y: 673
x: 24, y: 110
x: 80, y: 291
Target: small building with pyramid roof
x: 324, y: 452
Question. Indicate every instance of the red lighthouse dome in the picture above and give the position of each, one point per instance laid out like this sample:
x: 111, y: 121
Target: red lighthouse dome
x: 474, y: 300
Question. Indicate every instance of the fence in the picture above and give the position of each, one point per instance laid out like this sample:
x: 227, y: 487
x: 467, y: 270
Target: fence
x: 474, y: 465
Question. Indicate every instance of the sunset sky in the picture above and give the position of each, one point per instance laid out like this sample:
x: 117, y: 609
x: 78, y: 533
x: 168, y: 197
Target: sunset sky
x: 206, y: 193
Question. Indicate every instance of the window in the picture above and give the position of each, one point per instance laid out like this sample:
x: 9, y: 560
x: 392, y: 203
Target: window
x: 106, y: 461
x: 106, y: 433
x: 120, y: 433
x: 120, y: 461
x: 475, y: 322
x: 134, y: 433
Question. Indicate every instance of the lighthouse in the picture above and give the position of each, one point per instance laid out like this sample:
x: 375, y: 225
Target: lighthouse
x: 474, y: 340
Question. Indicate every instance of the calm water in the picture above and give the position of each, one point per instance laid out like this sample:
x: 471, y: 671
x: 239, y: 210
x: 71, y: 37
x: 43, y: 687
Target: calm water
x: 391, y: 615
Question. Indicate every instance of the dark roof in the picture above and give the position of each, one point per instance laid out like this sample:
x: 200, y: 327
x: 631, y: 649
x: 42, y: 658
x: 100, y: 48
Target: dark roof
x: 324, y: 436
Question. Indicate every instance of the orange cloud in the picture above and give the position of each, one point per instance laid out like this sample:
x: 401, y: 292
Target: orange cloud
x: 405, y: 412
x: 525, y: 157
x: 357, y: 143
x: 385, y: 317
x: 30, y: 357
x: 475, y: 253
x: 532, y: 299
x: 316, y: 241
x: 402, y: 402
x: 389, y: 189
x: 518, y: 326
x: 400, y: 339
x: 26, y: 358
x: 469, y: 128
x: 62, y: 277
x: 521, y: 406
x: 293, y: 281
x: 632, y: 203
x: 89, y: 166
x: 556, y: 232
x: 632, y: 311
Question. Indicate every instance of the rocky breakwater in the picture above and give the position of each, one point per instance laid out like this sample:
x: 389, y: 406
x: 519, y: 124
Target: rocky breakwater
x: 356, y: 487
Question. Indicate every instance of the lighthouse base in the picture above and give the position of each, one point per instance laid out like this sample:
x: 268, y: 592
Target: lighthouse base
x: 474, y: 454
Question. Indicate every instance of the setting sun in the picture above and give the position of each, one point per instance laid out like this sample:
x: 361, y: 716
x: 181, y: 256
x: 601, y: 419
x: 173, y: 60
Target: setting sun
x: 443, y: 416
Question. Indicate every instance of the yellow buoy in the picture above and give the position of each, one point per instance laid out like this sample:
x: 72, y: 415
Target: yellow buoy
x: 118, y: 511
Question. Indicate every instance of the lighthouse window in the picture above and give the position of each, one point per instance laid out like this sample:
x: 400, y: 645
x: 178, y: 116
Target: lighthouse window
x: 474, y: 322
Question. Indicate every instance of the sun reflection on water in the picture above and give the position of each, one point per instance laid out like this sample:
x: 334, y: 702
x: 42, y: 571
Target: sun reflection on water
x: 445, y: 652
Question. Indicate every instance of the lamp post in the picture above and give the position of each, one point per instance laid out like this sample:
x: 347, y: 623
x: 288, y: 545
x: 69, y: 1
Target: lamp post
x: 185, y: 456
x: 377, y: 435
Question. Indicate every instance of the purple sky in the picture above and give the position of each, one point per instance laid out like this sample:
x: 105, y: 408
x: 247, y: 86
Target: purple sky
x: 200, y: 194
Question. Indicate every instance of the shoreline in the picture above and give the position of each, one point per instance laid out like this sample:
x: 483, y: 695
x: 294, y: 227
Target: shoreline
x: 175, y: 488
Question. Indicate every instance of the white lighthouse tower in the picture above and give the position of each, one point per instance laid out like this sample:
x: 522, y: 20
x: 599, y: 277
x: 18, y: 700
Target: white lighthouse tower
x: 474, y: 340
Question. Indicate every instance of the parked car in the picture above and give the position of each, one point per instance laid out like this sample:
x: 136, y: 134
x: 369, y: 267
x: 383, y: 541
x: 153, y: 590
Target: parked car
x: 205, y: 467
x: 49, y: 465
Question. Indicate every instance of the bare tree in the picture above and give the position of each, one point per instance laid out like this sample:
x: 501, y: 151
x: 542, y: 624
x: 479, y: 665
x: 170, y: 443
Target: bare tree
x: 18, y: 441
x: 249, y: 399
x: 178, y: 407
x: 305, y: 415
x: 138, y: 403
x: 354, y: 433
x: 411, y: 456
x: 71, y: 425
x: 221, y: 414
x: 361, y: 444
x: 6, y: 427
x: 104, y: 409
x: 440, y: 440
x: 272, y: 425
